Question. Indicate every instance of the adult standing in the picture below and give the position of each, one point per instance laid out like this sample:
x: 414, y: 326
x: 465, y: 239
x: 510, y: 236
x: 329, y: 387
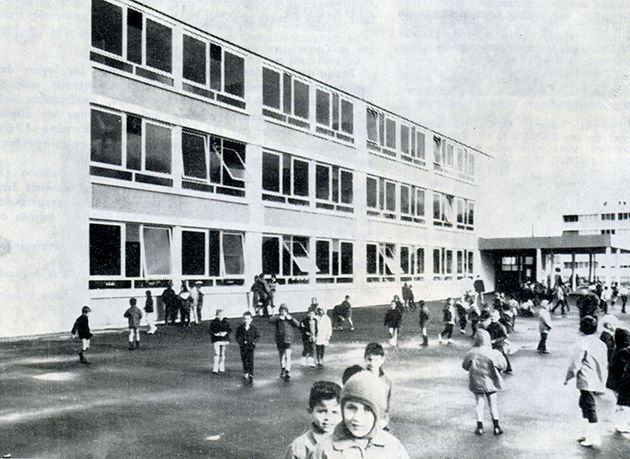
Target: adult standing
x: 169, y: 298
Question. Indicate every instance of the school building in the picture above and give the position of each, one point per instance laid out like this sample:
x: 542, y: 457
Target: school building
x: 140, y: 148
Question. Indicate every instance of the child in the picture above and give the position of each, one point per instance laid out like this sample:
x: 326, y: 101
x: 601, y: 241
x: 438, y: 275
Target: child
x: 313, y: 305
x: 474, y: 315
x: 246, y: 336
x: 81, y: 328
x: 374, y: 357
x: 462, y: 314
x: 360, y: 434
x: 544, y: 325
x: 308, y: 327
x: 343, y: 312
x: 220, y: 330
x: 393, y: 317
x: 323, y: 405
x: 449, y: 322
x: 149, y: 313
x: 284, y: 324
x: 619, y: 379
x: 609, y: 325
x: 498, y: 336
x: 324, y: 332
x: 133, y: 314
x: 484, y: 380
x: 588, y: 366
x: 424, y: 321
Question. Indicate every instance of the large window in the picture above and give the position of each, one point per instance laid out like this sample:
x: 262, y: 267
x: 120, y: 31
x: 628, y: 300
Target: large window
x: 333, y: 112
x: 412, y: 203
x: 381, y: 197
x: 132, y: 36
x: 288, y: 256
x: 443, y: 211
x: 333, y: 259
x: 465, y: 213
x: 212, y: 253
x: 285, y: 178
x: 333, y: 185
x: 147, y: 142
x: 381, y: 264
x: 212, y: 66
x: 442, y: 263
x: 215, y: 160
x: 285, y: 93
x: 411, y: 262
x: 381, y: 131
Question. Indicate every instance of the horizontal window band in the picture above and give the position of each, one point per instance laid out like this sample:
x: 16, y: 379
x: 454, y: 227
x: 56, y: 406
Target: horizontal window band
x: 274, y: 115
x: 230, y: 191
x: 373, y: 279
x: 274, y: 198
x: 142, y: 178
x: 199, y: 91
x: 229, y: 282
x: 321, y: 130
x: 349, y: 210
x: 151, y: 283
x: 388, y: 152
x: 299, y: 123
x: 372, y: 146
x: 344, y: 137
x: 115, y: 63
x: 203, y: 282
x: 322, y: 205
x: 325, y: 280
x: 297, y: 202
x: 297, y: 281
x: 154, y: 76
x: 344, y: 280
x: 110, y: 173
x: 99, y: 285
x: 231, y: 101
x: 197, y: 186
x: 373, y: 213
x: 405, y: 278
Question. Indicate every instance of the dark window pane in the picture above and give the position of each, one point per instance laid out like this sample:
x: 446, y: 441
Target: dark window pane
x: 193, y: 253
x: 404, y: 260
x: 335, y: 262
x: 106, y: 138
x: 194, y: 60
x: 215, y: 153
x: 104, y: 250
x: 107, y: 27
x: 335, y: 112
x: 404, y: 138
x: 233, y: 254
x: 322, y: 182
x: 322, y: 256
x: 372, y: 199
x: 159, y: 46
x: 216, y: 56
x: 335, y: 184
x: 233, y: 163
x: 391, y: 196
x: 134, y: 142
x: 214, y: 253
x: 286, y: 93
x: 271, y: 173
x: 234, y: 75
x: 346, y: 258
x: 346, y: 187
x: 271, y: 88
x: 372, y: 122
x: 381, y: 129
x: 471, y: 213
x: 391, y: 134
x: 132, y: 250
x: 301, y: 99
x: 436, y: 261
x: 271, y: 255
x: 449, y: 261
x: 347, y: 117
x: 370, y: 255
x: 300, y: 178
x: 420, y: 261
x: 436, y: 206
x: 404, y: 199
x: 134, y: 36
x: 286, y: 174
x: 194, y: 155
x: 420, y: 203
x: 300, y: 247
x: 158, y: 148
x: 322, y: 107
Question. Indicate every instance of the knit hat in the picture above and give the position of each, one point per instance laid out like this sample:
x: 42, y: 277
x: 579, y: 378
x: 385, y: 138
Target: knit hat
x: 368, y: 389
x: 482, y: 338
x: 85, y: 309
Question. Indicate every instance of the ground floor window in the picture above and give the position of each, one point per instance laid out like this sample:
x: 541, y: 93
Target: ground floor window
x: 381, y: 264
x: 411, y: 263
x: 288, y: 257
x: 334, y: 260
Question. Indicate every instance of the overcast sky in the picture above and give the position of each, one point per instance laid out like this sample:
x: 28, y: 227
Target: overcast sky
x: 542, y: 86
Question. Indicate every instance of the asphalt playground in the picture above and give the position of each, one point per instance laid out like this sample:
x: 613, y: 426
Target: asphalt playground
x: 163, y: 400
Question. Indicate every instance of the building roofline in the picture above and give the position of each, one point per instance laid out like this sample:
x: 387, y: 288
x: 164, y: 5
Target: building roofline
x: 144, y: 5
x: 566, y: 243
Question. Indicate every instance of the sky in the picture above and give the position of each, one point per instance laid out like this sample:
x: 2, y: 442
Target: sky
x: 541, y: 86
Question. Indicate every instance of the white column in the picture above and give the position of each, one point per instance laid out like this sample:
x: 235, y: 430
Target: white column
x: 608, y: 272
x: 539, y: 266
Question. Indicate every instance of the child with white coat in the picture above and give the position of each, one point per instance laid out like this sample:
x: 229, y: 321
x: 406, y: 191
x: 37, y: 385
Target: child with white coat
x: 324, y: 333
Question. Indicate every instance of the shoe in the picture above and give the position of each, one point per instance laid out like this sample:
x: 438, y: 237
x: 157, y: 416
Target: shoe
x: 450, y: 341
x: 82, y: 358
x: 286, y: 376
x: 282, y: 373
x: 251, y: 377
x: 479, y: 431
x: 352, y: 328
x: 544, y: 352
x: 591, y: 442
x: 131, y: 347
x: 497, y: 430
x: 439, y: 337
x: 137, y: 344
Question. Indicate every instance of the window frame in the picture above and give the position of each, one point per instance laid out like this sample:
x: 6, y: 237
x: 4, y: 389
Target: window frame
x: 331, y: 110
x: 122, y: 256
x: 294, y: 77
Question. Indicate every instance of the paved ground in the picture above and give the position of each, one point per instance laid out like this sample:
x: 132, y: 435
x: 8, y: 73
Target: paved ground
x: 163, y: 401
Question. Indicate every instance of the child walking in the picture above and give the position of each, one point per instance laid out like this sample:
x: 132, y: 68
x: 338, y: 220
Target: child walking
x: 424, y: 321
x: 360, y: 434
x: 449, y: 322
x: 220, y: 330
x: 323, y: 335
x: 619, y: 379
x: 323, y: 406
x: 246, y: 336
x: 393, y: 318
x: 284, y: 324
x: 374, y: 357
x: 544, y: 325
x: 484, y: 378
x: 133, y: 315
x: 81, y: 328
x: 308, y: 327
x: 149, y: 313
x: 589, y: 367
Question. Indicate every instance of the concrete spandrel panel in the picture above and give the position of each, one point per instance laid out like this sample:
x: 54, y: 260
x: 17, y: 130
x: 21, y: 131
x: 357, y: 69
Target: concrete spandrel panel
x: 305, y: 222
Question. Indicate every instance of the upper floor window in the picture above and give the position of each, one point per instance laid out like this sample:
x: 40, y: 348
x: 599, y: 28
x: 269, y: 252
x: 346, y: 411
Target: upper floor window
x: 570, y: 218
x: 465, y: 213
x: 412, y: 203
x: 285, y: 178
x: 333, y: 185
x: 286, y: 94
x: 381, y: 131
x: 381, y: 197
x: 333, y: 113
x: 130, y: 35
x: 609, y: 216
x: 412, y: 144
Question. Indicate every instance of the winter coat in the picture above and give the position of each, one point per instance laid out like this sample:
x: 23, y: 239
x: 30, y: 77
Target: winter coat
x: 82, y: 327
x: 393, y: 317
x: 247, y: 338
x: 148, y: 305
x: 308, y: 327
x: 324, y: 330
x: 483, y: 365
x: 217, y: 326
x: 619, y: 369
x: 498, y: 334
x: 284, y: 328
x: 544, y: 321
x: 589, y: 364
x: 607, y: 338
x: 448, y: 315
x: 133, y: 314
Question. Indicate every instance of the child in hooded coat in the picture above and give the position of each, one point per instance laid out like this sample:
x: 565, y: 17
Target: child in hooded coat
x: 619, y: 379
x: 484, y: 365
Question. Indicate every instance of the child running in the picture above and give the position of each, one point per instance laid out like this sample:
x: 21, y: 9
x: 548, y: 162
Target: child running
x: 284, y: 324
x: 449, y: 322
x: 393, y: 318
x: 360, y: 434
x: 484, y: 380
x: 323, y: 406
x: 246, y: 336
x: 133, y: 315
x: 589, y: 367
x: 81, y: 328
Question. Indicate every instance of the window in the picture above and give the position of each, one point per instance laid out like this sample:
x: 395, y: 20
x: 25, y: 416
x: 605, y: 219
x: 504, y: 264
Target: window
x: 609, y: 216
x: 285, y: 175
x: 381, y: 262
x: 157, y: 251
x: 470, y: 263
x: 148, y: 42
x: 448, y: 157
x: 381, y: 196
x: 148, y: 143
x: 438, y: 146
x: 443, y: 209
x: 412, y: 261
x: 465, y: 213
x: 334, y: 112
x: 212, y: 253
x: 333, y: 258
x: 213, y: 67
x: 442, y: 263
x: 333, y: 184
x: 381, y: 130
x: 509, y: 264
x: 287, y: 256
x: 212, y: 159
x: 194, y: 260
x: 105, y: 250
x: 411, y: 203
x: 285, y: 92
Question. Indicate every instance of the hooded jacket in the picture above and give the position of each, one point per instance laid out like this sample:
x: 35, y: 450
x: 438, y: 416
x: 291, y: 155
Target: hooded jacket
x: 589, y: 364
x: 483, y: 365
x: 619, y: 368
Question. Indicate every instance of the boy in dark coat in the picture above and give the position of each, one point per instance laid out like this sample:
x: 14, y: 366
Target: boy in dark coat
x: 284, y: 324
x: 81, y: 328
x: 133, y: 314
x: 308, y: 327
x: 498, y: 334
x: 393, y: 318
x: 220, y: 330
x: 246, y: 336
x: 424, y: 321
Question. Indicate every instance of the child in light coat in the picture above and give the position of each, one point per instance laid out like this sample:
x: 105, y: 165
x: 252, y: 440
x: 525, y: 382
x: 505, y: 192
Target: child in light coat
x: 324, y: 333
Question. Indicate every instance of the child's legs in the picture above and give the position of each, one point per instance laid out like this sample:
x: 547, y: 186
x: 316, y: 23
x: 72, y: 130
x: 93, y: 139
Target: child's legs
x: 449, y: 328
x: 493, y: 403
x: 588, y: 407
x: 244, y: 358
x: 85, y: 344
x: 320, y: 348
x: 222, y: 349
x: 287, y: 359
x: 250, y: 361
x: 131, y: 334
x: 479, y: 403
x: 217, y: 352
x: 305, y: 348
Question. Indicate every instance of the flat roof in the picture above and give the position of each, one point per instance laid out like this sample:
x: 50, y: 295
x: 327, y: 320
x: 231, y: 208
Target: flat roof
x: 566, y: 243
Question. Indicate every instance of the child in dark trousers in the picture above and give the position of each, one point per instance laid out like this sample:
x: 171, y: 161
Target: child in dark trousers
x: 449, y: 322
x: 246, y: 336
x: 619, y: 379
x: 81, y: 328
x: 424, y: 321
x: 308, y: 327
x: 284, y: 324
x: 393, y: 318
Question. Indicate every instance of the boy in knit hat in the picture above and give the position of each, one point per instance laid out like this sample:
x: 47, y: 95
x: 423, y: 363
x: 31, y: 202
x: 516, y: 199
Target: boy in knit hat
x: 133, y: 315
x: 284, y: 324
x: 363, y: 402
x: 323, y: 405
